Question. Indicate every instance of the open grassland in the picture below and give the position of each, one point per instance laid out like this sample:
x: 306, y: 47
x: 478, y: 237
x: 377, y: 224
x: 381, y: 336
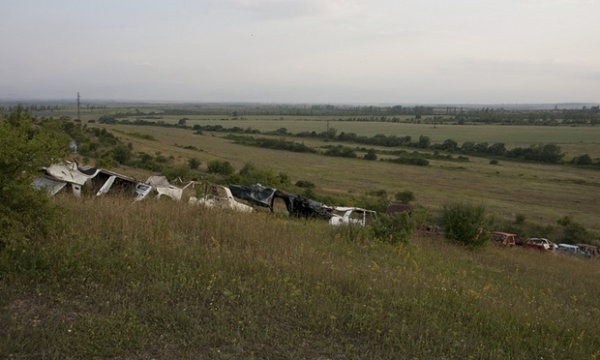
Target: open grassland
x: 575, y: 140
x: 165, y: 280
x: 543, y: 193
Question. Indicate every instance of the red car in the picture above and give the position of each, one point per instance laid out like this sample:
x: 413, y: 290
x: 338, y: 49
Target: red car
x: 502, y: 238
x: 540, y: 244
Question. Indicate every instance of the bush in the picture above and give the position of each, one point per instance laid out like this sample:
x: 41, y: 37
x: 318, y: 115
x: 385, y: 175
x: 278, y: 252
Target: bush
x: 465, y: 224
x: 25, y: 214
x: 304, y: 184
x: 405, y: 196
x: 194, y: 163
x: 370, y: 155
x: 220, y: 167
x: 393, y: 229
x: 250, y: 174
x: 573, y: 232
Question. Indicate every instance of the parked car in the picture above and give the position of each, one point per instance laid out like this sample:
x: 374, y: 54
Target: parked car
x: 541, y: 244
x: 503, y: 238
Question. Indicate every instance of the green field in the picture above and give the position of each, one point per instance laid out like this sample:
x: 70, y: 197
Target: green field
x: 113, y: 279
x: 543, y: 193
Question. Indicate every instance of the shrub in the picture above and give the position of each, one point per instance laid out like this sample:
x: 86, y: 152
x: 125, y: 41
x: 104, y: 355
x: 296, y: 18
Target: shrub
x: 304, y: 184
x: 174, y: 172
x: 573, y: 232
x: 220, y: 167
x: 405, y: 196
x: 393, y: 229
x: 340, y: 151
x: 250, y: 174
x: 194, y: 163
x: 465, y: 224
x: 370, y: 155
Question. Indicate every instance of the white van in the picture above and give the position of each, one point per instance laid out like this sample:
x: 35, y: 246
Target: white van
x: 568, y: 249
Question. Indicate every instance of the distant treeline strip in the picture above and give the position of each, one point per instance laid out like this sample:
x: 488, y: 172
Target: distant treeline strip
x: 544, y: 153
x: 415, y: 114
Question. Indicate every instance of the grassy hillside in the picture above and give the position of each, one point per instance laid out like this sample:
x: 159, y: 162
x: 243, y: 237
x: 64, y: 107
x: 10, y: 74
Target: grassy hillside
x: 166, y: 280
x: 542, y: 193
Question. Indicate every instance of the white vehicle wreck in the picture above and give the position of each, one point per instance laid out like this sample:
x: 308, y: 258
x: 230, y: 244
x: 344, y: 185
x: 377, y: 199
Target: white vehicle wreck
x: 82, y: 180
x: 352, y: 216
x: 220, y: 197
x: 160, y: 186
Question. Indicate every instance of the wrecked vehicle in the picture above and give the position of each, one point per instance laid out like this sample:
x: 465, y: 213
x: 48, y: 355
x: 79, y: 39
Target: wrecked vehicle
x: 568, y: 249
x: 352, y: 216
x: 220, y: 197
x: 541, y: 244
x: 587, y: 250
x: 81, y: 180
x: 161, y: 187
x: 503, y: 238
x: 296, y: 205
x: 84, y: 179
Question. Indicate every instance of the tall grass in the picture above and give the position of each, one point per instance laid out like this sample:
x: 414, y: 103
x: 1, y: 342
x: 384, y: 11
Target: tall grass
x: 165, y: 280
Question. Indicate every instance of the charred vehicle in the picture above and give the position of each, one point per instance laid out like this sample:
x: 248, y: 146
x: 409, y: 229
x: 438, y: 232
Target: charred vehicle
x: 296, y: 205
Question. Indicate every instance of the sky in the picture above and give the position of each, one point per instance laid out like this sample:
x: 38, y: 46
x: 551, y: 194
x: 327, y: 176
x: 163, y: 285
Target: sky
x: 302, y: 51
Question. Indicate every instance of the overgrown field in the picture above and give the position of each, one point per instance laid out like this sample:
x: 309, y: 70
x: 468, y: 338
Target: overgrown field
x: 542, y: 193
x: 165, y: 280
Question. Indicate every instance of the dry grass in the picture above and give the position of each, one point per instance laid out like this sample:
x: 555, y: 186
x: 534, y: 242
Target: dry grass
x: 165, y: 280
x: 543, y: 193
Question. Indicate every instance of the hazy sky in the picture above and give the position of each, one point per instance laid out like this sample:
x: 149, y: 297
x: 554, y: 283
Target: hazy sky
x: 302, y: 51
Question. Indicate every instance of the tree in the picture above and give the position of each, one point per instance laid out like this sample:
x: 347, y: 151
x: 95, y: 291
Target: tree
x: 498, y: 149
x: 370, y: 155
x: 424, y: 142
x: 584, y: 159
x: 26, y: 214
x: 449, y: 145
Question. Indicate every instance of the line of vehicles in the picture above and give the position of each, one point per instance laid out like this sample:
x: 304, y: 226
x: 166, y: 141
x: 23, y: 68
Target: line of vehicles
x: 545, y: 245
x: 80, y: 180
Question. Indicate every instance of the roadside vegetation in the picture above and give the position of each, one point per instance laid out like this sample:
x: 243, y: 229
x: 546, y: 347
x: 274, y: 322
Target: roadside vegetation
x: 108, y: 278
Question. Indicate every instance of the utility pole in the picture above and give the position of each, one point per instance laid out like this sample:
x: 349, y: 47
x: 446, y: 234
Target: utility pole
x: 78, y: 112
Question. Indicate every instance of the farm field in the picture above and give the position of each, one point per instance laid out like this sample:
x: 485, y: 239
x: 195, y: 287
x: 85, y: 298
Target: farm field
x: 575, y: 140
x: 543, y: 193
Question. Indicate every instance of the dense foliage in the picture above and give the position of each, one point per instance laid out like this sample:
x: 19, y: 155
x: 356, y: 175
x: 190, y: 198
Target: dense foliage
x: 25, y: 146
x: 465, y: 224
